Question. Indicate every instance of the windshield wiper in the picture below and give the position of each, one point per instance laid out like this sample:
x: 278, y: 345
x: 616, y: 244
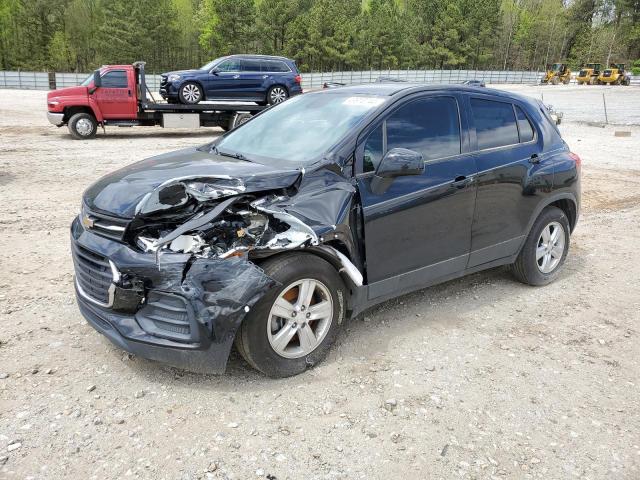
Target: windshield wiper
x: 237, y: 156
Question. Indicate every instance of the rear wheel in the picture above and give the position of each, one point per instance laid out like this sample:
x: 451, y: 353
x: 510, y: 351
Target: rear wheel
x: 277, y: 94
x: 190, y: 93
x: 292, y: 327
x: 82, y: 126
x: 555, y: 80
x: 545, y: 249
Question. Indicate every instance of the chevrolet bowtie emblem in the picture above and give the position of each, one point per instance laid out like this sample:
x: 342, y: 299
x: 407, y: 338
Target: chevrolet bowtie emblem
x: 87, y: 221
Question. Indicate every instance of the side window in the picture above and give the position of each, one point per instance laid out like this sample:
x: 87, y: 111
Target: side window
x: 250, y: 65
x: 373, y: 150
x: 524, y: 126
x: 274, y: 66
x: 115, y: 79
x: 430, y: 126
x: 232, y: 65
x: 495, y: 123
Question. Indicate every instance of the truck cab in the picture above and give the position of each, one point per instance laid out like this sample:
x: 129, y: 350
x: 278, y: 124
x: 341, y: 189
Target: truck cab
x: 110, y: 93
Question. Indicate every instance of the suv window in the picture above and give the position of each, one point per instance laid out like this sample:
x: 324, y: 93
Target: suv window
x: 373, y: 150
x: 495, y: 123
x: 231, y: 65
x: 274, y: 66
x: 430, y: 126
x: 115, y: 79
x: 524, y: 126
x: 249, y: 65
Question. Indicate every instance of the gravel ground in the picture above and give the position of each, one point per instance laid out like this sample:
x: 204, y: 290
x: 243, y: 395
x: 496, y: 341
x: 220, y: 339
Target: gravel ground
x: 481, y: 377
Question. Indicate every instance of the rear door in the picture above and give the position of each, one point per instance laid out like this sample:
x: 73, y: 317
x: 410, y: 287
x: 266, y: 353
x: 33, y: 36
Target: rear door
x: 513, y: 175
x: 419, y: 229
x: 251, y: 79
x: 116, y: 97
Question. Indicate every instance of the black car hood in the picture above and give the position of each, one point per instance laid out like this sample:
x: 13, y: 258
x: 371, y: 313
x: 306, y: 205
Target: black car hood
x: 134, y: 189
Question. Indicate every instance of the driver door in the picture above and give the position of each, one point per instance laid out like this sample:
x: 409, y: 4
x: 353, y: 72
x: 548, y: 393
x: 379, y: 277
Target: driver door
x: 418, y: 230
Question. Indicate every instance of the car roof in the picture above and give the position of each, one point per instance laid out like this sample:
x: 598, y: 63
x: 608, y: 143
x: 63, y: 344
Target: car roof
x: 257, y: 56
x: 396, y: 88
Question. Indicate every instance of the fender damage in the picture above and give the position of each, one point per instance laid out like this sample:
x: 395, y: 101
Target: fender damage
x: 193, y: 246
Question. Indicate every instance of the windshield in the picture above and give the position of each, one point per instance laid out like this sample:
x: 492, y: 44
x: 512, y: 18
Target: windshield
x: 299, y: 130
x: 211, y: 64
x: 556, y: 66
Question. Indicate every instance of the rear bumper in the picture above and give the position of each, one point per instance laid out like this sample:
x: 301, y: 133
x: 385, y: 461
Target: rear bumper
x: 56, y: 119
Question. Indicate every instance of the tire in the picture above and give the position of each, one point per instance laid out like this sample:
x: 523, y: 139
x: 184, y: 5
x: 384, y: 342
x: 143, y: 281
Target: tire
x: 190, y: 93
x: 277, y: 94
x: 527, y: 268
x: 238, y: 119
x: 626, y: 81
x: 82, y: 126
x: 566, y: 80
x: 555, y: 80
x: 258, y: 332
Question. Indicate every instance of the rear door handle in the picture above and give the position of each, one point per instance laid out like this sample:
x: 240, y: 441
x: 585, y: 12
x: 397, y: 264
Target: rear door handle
x: 461, y: 181
x: 534, y: 158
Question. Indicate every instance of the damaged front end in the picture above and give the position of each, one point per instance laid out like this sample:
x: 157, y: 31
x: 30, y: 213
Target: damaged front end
x: 182, y: 273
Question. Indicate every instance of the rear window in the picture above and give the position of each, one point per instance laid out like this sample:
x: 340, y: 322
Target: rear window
x: 495, y: 123
x: 274, y: 66
x: 524, y: 126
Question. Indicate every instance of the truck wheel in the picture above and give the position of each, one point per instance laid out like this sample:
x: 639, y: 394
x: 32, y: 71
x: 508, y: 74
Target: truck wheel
x: 190, y: 93
x: 238, y: 119
x: 555, y: 80
x: 627, y: 81
x: 82, y: 126
x: 277, y: 94
x: 292, y: 327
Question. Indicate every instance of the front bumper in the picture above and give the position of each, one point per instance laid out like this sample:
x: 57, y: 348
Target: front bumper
x: 183, y: 311
x: 56, y: 119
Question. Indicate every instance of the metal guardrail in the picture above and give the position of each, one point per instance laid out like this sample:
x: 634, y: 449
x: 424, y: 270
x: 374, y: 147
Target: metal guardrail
x: 48, y: 81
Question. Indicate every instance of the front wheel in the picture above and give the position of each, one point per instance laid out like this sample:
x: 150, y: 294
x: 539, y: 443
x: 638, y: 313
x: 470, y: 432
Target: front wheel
x: 190, y: 93
x: 82, y: 126
x: 545, y: 249
x: 292, y: 327
x: 277, y: 94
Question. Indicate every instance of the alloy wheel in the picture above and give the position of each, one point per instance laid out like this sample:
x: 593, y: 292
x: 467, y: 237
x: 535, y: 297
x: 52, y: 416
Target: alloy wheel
x: 278, y: 95
x: 191, y: 93
x: 300, y: 318
x: 550, y: 247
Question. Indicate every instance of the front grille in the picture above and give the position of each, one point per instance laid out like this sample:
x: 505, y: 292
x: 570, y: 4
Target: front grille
x: 165, y: 315
x: 93, y: 274
x: 104, y: 225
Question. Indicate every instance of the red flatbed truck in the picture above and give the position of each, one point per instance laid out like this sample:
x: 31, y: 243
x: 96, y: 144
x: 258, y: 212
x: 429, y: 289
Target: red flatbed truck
x: 117, y: 95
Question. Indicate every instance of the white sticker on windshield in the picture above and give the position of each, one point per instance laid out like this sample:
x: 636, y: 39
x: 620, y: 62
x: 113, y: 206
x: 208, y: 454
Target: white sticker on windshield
x: 363, y: 101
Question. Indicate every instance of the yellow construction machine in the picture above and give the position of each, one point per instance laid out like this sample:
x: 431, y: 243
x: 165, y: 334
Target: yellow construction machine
x: 614, y: 75
x: 588, y: 74
x: 557, y: 73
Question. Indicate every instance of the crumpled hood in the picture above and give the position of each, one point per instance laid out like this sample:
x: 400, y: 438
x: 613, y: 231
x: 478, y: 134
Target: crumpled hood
x: 124, y: 192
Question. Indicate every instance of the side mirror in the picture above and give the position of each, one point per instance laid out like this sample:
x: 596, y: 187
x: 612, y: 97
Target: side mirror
x: 97, y: 81
x: 214, y: 71
x: 396, y: 163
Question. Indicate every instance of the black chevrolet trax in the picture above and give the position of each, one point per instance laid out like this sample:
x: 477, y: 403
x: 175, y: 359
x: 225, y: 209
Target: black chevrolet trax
x: 278, y: 232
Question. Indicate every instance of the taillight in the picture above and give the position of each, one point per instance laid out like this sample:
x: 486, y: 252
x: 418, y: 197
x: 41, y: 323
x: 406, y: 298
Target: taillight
x: 576, y: 158
x: 298, y: 79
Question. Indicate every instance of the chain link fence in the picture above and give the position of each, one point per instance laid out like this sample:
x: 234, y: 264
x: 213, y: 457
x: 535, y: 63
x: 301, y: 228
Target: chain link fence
x: 310, y: 81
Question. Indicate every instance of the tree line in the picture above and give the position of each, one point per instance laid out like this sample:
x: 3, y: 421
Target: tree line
x: 321, y: 35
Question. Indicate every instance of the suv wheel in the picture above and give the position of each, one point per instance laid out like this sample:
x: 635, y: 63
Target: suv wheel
x: 277, y: 94
x: 190, y: 93
x: 545, y: 250
x: 292, y: 327
x: 82, y: 126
